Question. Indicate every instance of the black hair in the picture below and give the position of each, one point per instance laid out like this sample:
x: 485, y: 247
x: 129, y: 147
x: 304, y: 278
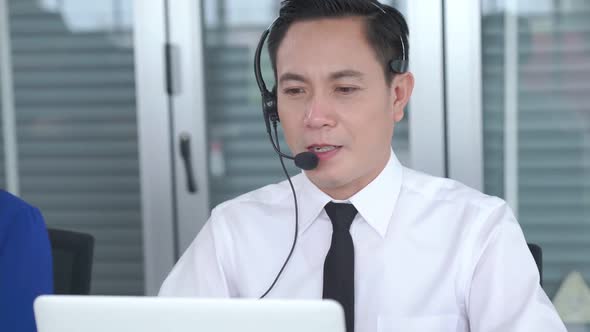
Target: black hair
x: 386, y: 27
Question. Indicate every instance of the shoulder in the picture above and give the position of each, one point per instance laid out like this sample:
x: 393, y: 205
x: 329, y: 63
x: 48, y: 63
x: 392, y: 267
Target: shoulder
x: 17, y: 216
x: 461, y: 210
x: 471, y: 219
x: 466, y: 219
x: 267, y: 198
x: 448, y: 192
x: 12, y: 206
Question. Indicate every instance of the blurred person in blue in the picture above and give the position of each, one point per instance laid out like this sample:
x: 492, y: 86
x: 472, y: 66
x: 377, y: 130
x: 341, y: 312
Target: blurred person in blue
x: 400, y: 250
x: 25, y: 263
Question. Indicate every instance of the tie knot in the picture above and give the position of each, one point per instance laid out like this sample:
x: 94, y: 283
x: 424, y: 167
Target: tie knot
x: 341, y: 215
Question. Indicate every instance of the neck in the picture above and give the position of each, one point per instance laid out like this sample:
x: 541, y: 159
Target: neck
x: 348, y: 190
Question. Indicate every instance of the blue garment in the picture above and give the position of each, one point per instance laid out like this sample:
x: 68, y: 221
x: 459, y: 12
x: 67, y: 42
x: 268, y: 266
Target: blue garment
x: 25, y: 263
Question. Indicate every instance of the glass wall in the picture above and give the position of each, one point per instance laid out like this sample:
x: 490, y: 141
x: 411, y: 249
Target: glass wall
x: 536, y: 119
x: 74, y: 96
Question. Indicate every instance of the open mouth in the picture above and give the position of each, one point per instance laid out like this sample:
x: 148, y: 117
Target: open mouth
x: 324, y: 148
x: 324, y: 151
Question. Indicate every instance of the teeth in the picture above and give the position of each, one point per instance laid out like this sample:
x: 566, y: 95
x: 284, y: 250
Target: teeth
x: 324, y: 148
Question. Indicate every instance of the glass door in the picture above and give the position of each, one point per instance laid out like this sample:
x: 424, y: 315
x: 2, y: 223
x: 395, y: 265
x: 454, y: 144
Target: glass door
x: 536, y: 120
x: 531, y: 145
x: 71, y: 103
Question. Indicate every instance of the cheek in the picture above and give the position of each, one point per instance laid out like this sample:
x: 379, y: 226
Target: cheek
x: 290, y: 111
x: 291, y: 129
x: 371, y: 131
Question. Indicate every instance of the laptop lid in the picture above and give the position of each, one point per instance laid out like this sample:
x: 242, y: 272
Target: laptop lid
x: 63, y: 313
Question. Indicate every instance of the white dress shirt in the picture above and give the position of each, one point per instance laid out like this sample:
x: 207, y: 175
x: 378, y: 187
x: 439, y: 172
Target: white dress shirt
x: 430, y: 255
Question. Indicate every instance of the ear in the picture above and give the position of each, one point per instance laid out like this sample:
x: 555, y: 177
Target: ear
x: 402, y: 86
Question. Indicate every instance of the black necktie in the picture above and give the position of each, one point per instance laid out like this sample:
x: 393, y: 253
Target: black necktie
x: 339, y: 263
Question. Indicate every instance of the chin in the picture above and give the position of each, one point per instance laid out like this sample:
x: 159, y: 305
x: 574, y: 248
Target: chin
x: 326, y: 178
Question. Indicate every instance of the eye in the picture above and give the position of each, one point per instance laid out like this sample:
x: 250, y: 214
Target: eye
x: 346, y: 90
x: 293, y: 91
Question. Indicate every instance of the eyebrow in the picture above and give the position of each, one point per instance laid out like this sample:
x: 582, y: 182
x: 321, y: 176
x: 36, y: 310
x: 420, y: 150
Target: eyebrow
x: 291, y: 77
x: 333, y: 76
x: 346, y: 73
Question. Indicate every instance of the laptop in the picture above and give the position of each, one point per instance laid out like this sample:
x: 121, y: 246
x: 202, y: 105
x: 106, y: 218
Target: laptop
x: 66, y: 313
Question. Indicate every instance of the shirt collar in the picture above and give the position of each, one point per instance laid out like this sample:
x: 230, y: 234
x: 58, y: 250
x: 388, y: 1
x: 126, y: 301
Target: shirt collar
x: 311, y: 202
x: 375, y: 203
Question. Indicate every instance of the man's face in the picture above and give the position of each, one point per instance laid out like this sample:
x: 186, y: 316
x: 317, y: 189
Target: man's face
x: 334, y: 101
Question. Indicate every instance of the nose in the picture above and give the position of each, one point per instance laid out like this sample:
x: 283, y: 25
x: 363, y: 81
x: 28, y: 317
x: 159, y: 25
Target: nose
x: 319, y: 113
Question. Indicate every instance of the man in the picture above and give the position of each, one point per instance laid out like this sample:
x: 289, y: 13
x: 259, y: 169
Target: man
x: 417, y: 253
x: 25, y: 263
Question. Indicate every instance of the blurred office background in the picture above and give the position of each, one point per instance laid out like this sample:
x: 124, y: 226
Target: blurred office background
x: 90, y: 127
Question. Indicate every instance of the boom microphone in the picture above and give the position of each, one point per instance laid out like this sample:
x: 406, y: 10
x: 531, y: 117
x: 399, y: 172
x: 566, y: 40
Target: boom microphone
x: 304, y: 160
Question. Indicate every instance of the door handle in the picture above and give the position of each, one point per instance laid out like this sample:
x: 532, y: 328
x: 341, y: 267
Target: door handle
x: 185, y: 153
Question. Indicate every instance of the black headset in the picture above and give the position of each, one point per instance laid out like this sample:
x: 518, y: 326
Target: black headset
x: 304, y: 160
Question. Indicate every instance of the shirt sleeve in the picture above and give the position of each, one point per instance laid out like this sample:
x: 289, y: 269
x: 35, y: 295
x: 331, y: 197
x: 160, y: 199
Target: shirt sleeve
x: 200, y: 271
x: 505, y: 294
x: 26, y: 269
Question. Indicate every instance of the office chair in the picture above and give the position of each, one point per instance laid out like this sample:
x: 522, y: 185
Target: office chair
x: 72, y: 261
x: 537, y: 253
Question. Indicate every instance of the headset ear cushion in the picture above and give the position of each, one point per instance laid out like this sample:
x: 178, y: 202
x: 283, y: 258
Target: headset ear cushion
x: 398, y: 66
